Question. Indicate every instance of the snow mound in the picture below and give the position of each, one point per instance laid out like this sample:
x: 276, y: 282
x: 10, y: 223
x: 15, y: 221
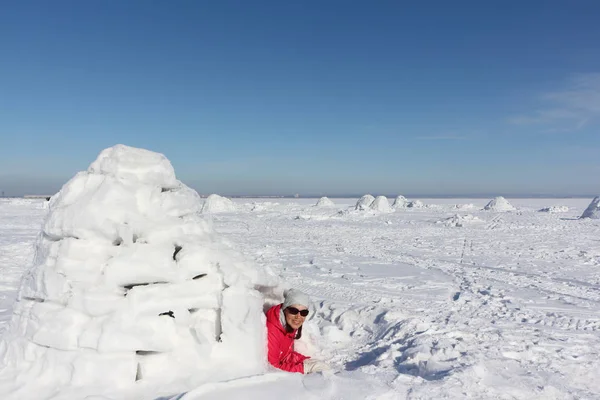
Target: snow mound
x: 400, y: 202
x: 364, y: 202
x: 381, y: 204
x: 593, y: 210
x: 415, y: 204
x: 217, y: 204
x: 555, y: 209
x: 458, y: 221
x: 129, y: 287
x: 499, y: 204
x: 325, y: 202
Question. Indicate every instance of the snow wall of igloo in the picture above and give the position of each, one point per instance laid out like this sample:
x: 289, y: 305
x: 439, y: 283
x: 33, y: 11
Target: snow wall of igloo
x: 129, y: 283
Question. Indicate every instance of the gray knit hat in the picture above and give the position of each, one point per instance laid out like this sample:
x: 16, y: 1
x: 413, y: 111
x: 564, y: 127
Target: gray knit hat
x: 293, y: 296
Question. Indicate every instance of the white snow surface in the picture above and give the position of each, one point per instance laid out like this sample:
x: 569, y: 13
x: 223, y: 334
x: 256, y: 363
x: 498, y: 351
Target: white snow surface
x: 325, y: 202
x: 130, y: 287
x: 381, y: 204
x: 499, y: 204
x: 593, y: 210
x: 402, y: 307
x: 217, y: 204
x: 364, y: 203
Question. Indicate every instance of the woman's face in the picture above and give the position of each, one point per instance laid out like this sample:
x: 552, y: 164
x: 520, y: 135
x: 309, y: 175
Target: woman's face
x: 295, y: 321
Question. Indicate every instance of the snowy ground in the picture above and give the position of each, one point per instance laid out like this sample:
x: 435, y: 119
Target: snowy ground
x: 20, y: 223
x: 408, y: 304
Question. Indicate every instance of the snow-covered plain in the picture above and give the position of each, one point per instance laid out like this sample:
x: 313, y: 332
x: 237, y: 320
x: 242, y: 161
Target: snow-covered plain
x: 502, y: 305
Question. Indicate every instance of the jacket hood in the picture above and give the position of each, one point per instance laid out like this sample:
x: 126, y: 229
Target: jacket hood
x: 273, y: 318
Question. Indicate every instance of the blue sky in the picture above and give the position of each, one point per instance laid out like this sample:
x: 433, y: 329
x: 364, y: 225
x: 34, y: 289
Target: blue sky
x: 283, y: 97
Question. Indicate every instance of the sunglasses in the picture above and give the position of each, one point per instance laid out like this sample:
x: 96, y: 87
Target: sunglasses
x: 294, y: 311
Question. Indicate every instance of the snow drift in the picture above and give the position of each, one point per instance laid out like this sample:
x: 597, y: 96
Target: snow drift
x: 364, y: 202
x: 217, y: 204
x: 325, y: 202
x: 593, y: 210
x: 499, y: 204
x: 130, y: 287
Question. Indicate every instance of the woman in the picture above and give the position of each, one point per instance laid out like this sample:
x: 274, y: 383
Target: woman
x: 284, y: 325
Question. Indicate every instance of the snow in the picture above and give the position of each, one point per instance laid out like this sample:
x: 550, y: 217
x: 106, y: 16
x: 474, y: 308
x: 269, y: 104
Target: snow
x: 130, y: 286
x: 593, y: 210
x: 507, y: 306
x: 364, y: 203
x: 217, y: 204
x: 459, y: 221
x: 325, y: 202
x: 400, y: 202
x: 555, y: 209
x: 381, y: 204
x: 415, y: 204
x: 135, y: 165
x: 463, y: 206
x: 499, y: 204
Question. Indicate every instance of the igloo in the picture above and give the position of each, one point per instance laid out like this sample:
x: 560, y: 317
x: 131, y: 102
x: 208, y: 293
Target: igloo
x: 325, y: 202
x: 499, y: 204
x: 364, y: 202
x: 129, y: 287
x: 217, y: 204
x: 400, y: 202
x: 593, y: 210
x: 381, y: 204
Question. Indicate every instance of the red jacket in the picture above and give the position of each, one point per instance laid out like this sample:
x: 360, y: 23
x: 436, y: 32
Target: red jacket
x: 281, y: 344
